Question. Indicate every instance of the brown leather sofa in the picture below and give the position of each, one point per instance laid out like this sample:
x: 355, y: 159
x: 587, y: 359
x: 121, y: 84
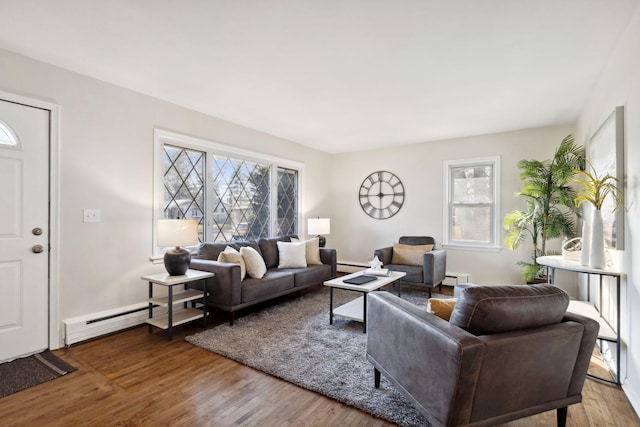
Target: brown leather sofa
x: 507, y: 352
x: 229, y: 293
x: 434, y: 263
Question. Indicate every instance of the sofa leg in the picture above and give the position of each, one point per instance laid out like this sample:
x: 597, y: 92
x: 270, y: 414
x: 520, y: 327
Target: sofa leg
x: 231, y: 317
x: 429, y: 292
x: 561, y: 415
x: 376, y: 378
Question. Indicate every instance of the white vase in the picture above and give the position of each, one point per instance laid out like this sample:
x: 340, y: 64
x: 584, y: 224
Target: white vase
x: 596, y: 253
x: 586, y: 236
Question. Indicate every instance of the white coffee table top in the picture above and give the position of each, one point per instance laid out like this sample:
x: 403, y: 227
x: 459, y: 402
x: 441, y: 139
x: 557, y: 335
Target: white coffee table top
x: 367, y: 287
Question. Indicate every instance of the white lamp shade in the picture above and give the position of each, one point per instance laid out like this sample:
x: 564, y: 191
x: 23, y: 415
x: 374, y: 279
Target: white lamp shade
x: 319, y: 226
x: 177, y: 232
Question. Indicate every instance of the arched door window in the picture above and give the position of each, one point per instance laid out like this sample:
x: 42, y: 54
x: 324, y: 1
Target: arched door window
x: 7, y: 135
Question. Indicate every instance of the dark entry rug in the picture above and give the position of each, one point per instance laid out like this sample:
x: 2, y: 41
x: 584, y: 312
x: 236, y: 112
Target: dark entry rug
x: 294, y: 341
x: 26, y: 372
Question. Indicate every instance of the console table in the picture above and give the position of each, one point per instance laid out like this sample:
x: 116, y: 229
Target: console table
x: 607, y: 332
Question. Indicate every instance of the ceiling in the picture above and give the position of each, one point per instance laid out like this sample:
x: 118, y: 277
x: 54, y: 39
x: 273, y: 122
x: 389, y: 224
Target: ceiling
x: 337, y: 75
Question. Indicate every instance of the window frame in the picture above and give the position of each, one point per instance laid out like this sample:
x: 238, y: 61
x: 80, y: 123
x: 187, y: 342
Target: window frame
x: 211, y: 148
x: 495, y: 244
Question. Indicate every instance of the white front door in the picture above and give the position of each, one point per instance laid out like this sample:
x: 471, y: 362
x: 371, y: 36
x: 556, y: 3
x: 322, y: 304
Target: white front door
x: 24, y: 230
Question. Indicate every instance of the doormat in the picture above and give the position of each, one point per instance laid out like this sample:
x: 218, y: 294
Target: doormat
x: 20, y: 374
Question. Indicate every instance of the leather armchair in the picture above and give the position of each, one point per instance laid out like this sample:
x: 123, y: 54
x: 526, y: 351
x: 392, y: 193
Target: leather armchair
x: 432, y: 271
x: 507, y: 352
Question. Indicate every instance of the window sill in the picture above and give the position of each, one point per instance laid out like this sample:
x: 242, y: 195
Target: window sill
x: 473, y: 248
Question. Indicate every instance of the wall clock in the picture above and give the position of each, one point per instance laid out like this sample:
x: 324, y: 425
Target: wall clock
x: 381, y: 195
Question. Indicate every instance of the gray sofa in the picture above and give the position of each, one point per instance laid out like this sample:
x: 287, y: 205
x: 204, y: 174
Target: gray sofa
x: 228, y: 293
x: 507, y: 352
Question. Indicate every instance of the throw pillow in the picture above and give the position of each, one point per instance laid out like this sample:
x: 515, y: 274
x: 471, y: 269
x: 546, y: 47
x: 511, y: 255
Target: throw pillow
x: 312, y: 250
x: 233, y: 256
x: 292, y: 255
x: 231, y: 249
x: 409, y: 254
x: 441, y: 307
x: 256, y: 267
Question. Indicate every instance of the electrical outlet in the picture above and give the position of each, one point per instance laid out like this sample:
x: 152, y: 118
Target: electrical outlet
x: 91, y: 215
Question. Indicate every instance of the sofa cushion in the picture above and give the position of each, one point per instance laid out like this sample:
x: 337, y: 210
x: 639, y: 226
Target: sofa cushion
x: 269, y: 249
x: 414, y: 272
x: 253, y: 261
x: 409, y: 254
x: 211, y: 251
x: 247, y: 243
x: 312, y: 275
x: 273, y: 282
x: 494, y: 309
x: 292, y: 255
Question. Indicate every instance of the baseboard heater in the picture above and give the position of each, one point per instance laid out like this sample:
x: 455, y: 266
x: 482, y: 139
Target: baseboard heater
x: 351, y: 266
x: 452, y: 279
x: 82, y: 328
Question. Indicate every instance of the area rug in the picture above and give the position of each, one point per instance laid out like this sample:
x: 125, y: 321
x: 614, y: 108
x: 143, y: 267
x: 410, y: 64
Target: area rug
x: 294, y: 341
x: 20, y: 374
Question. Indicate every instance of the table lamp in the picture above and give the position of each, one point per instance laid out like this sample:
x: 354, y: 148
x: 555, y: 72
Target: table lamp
x: 319, y: 226
x: 177, y: 232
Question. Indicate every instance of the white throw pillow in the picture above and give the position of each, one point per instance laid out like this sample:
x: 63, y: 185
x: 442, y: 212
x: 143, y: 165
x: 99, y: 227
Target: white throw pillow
x: 256, y: 267
x: 292, y: 255
x: 233, y: 256
x: 312, y: 250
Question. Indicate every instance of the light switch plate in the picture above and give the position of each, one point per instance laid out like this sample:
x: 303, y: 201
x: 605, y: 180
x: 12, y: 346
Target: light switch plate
x: 91, y: 215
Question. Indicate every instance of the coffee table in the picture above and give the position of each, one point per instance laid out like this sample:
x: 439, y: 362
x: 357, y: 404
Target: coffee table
x: 357, y: 309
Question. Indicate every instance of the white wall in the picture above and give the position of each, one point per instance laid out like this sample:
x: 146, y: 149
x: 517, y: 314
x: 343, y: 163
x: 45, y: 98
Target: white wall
x: 619, y: 84
x: 420, y: 167
x: 106, y: 150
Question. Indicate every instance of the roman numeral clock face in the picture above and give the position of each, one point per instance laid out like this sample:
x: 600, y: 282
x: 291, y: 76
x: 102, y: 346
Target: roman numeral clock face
x: 381, y: 195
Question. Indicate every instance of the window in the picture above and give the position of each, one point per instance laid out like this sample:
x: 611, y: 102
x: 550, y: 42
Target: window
x: 287, y: 201
x: 241, y: 206
x: 234, y: 194
x: 472, y: 203
x: 183, y: 181
x: 7, y: 136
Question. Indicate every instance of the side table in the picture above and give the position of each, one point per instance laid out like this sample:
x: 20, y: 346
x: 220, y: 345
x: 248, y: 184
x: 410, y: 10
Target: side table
x: 171, y: 319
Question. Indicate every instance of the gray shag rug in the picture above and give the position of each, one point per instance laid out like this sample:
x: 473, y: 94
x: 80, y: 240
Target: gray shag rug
x: 294, y: 341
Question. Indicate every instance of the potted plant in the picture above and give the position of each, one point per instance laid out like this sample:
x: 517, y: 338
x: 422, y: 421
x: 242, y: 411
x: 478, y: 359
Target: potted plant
x: 595, y: 189
x: 550, y: 209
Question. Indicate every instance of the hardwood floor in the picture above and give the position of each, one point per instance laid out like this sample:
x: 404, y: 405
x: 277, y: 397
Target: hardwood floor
x: 139, y: 379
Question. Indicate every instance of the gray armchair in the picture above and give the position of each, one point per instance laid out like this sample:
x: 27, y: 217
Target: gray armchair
x: 507, y: 352
x: 434, y: 264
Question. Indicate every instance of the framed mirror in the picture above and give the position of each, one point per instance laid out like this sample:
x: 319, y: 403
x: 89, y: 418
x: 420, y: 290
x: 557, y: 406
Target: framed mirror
x: 605, y: 152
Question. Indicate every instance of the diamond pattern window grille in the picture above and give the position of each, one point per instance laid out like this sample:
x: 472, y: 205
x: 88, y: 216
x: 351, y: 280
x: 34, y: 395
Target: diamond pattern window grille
x: 184, y: 185
x: 287, y: 201
x: 231, y: 197
x: 242, y: 199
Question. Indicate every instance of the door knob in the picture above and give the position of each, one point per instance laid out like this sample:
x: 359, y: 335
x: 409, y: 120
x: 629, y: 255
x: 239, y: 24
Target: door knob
x: 37, y: 249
